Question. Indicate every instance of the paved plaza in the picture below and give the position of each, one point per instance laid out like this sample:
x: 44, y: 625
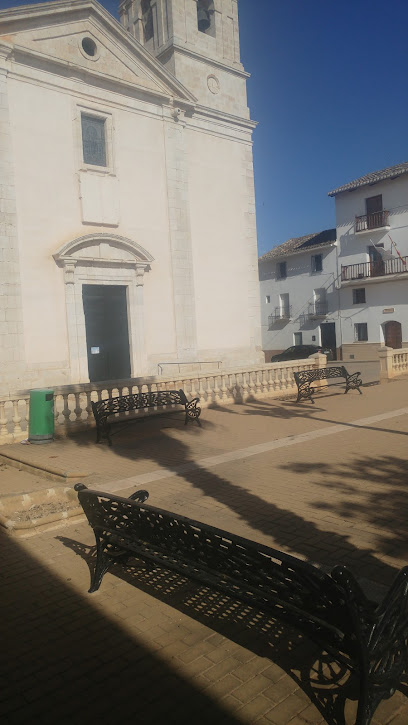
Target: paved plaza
x: 326, y: 482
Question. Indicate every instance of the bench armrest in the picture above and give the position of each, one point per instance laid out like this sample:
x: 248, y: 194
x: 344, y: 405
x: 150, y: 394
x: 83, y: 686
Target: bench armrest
x: 353, y: 376
x: 191, y: 405
x: 140, y: 496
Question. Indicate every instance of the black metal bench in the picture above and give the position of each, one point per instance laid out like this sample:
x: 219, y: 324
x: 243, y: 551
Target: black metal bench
x: 104, y: 409
x: 305, y: 377
x: 331, y: 608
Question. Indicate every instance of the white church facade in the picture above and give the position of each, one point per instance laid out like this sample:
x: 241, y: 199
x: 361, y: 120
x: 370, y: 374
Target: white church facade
x: 127, y: 214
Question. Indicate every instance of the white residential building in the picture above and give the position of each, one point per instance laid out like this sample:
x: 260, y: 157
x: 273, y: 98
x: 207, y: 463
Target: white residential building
x: 299, y: 295
x: 372, y: 233
x: 127, y: 214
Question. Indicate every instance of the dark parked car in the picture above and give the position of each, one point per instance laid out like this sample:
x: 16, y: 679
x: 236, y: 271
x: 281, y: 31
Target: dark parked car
x: 297, y: 352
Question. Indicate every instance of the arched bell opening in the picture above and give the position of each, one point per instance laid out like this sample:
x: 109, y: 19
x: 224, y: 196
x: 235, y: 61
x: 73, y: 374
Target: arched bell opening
x: 206, y: 17
x: 147, y: 20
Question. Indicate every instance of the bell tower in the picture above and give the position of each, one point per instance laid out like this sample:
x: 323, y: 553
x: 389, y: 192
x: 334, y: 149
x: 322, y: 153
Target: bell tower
x: 198, y: 42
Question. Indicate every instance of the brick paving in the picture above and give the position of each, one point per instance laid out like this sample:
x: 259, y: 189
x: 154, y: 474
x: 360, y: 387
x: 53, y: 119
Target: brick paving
x: 152, y: 647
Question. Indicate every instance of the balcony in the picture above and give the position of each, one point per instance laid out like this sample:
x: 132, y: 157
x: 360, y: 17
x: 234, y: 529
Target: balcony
x: 317, y: 309
x: 369, y: 270
x: 377, y: 220
x: 281, y: 314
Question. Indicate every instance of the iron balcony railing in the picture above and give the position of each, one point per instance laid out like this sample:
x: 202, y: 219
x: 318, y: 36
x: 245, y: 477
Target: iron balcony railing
x: 379, y: 268
x: 281, y: 314
x: 372, y: 221
x: 318, y: 309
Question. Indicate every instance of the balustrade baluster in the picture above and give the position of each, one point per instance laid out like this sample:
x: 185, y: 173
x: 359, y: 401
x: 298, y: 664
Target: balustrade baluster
x: 194, y: 387
x: 88, y: 408
x: 209, y: 390
x: 231, y: 387
x: 265, y: 381
x: 245, y: 387
x: 78, y: 409
x: 258, y: 382
x: 4, y: 434
x: 66, y: 411
x: 224, y: 392
x: 16, y: 418
x: 24, y: 417
x: 251, y: 383
x: 217, y: 391
x: 201, y: 391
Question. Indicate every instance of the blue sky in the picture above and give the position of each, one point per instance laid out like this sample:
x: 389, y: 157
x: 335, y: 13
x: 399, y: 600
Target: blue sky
x: 329, y: 90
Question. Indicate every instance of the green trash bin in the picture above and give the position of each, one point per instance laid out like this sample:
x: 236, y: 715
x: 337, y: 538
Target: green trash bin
x: 41, y: 418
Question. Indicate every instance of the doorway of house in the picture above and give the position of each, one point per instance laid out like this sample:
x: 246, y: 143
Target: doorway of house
x: 377, y: 266
x: 393, y: 334
x: 328, y: 338
x: 107, y: 332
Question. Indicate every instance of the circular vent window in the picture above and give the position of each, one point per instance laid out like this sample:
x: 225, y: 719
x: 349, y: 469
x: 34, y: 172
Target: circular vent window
x: 89, y: 46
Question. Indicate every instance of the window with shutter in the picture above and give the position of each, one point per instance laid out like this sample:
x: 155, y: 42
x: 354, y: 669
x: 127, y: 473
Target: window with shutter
x: 93, y: 140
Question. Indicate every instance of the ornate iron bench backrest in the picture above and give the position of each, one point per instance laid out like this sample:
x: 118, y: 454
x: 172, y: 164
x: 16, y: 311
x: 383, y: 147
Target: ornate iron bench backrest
x: 273, y: 574
x: 135, y: 401
x: 306, y: 376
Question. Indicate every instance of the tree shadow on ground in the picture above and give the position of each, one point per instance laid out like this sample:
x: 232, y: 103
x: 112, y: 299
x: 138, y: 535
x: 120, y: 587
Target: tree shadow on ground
x: 380, y: 500
x: 327, y: 682
x: 289, y: 530
x: 65, y: 662
x: 288, y: 410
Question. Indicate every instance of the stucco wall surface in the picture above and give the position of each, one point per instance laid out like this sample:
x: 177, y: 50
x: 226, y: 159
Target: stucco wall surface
x: 300, y: 284
x: 386, y: 296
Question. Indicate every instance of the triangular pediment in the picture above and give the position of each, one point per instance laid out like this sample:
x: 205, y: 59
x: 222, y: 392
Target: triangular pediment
x: 57, y: 37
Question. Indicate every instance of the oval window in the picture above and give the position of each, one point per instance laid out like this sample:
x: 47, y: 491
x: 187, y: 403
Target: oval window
x: 89, y: 46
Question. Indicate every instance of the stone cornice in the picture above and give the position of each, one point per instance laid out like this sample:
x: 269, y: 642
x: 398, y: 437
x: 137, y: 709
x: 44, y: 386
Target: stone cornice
x: 5, y: 50
x: 213, y: 114
x: 174, y: 46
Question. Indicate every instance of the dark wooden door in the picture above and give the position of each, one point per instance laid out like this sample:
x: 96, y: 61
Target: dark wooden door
x: 374, y: 208
x: 107, y: 334
x: 377, y: 266
x: 393, y: 334
x: 328, y: 335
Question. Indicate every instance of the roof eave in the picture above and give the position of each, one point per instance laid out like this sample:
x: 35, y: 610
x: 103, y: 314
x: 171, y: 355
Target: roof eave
x: 295, y: 252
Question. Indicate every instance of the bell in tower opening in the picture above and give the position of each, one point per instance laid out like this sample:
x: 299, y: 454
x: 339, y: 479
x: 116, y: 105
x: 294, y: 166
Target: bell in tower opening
x: 205, y: 10
x: 147, y: 19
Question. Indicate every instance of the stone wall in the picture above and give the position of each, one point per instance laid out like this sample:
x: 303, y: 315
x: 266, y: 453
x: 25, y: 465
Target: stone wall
x: 11, y: 325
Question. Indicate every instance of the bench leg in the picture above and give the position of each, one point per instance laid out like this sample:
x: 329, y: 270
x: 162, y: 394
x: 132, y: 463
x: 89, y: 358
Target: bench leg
x: 306, y: 394
x: 102, y: 565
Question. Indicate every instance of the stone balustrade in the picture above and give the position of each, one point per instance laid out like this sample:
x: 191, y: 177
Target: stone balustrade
x: 392, y: 363
x: 72, y: 403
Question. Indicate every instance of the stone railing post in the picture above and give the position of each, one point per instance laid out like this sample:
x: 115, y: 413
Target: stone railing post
x: 319, y: 361
x: 386, y: 364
